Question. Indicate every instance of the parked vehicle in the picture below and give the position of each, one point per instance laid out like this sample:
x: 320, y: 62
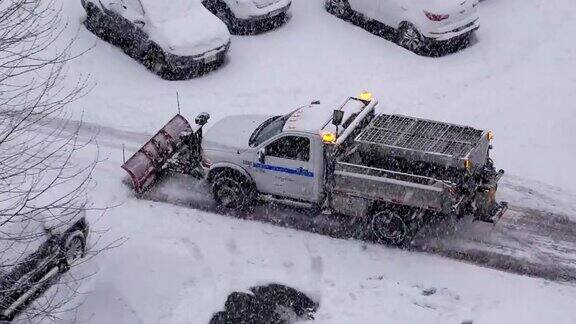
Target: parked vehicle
x: 249, y: 16
x: 391, y: 171
x: 418, y: 25
x: 271, y: 304
x: 33, y: 260
x: 177, y: 39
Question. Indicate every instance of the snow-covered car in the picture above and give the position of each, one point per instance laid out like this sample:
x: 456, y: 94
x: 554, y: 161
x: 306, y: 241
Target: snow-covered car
x: 249, y: 16
x: 417, y: 25
x: 176, y: 39
x: 33, y: 252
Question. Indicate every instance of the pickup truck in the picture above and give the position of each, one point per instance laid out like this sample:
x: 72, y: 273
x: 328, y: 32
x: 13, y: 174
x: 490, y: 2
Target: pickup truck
x: 392, y: 171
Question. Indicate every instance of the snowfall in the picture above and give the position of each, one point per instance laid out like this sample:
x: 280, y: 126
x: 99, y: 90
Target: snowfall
x: 177, y: 264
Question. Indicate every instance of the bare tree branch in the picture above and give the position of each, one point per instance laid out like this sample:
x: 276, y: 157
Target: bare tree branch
x: 39, y: 175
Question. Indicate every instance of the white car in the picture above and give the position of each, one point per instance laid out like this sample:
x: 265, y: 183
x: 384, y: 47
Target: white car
x: 177, y: 39
x: 249, y: 16
x: 418, y: 24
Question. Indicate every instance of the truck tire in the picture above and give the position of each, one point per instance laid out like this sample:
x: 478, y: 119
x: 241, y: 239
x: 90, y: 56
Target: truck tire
x: 389, y: 227
x: 232, y: 190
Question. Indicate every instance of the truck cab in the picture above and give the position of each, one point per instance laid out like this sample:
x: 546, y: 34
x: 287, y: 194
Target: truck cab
x: 283, y: 156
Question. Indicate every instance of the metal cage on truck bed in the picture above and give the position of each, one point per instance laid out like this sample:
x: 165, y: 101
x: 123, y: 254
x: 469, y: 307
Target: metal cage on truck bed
x: 424, y: 140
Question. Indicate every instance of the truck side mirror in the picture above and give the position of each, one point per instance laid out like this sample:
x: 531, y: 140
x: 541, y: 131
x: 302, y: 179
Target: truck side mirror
x: 261, y: 154
x: 337, y: 117
x: 202, y: 119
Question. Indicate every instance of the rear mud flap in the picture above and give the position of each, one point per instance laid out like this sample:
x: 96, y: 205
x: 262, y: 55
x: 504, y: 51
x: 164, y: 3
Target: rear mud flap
x: 487, y: 209
x: 144, y: 166
x: 495, y: 214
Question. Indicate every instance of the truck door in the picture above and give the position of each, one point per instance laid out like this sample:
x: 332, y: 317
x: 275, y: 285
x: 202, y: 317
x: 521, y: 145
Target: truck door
x: 286, y: 168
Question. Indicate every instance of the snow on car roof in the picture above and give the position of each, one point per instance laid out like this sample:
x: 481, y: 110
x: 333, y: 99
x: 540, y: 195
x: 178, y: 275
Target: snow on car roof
x: 184, y: 27
x: 316, y: 117
x: 161, y: 10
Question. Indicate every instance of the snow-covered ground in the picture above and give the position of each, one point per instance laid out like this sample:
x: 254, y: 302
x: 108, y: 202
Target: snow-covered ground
x: 179, y: 264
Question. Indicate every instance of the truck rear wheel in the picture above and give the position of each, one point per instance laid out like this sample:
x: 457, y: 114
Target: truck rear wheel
x: 389, y: 227
x: 232, y: 191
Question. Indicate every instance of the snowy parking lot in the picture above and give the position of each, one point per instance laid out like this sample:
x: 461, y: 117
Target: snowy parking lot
x: 180, y: 261
x: 184, y: 255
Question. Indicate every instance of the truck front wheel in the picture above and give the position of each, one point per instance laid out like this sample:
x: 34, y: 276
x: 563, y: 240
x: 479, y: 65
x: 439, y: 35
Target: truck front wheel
x: 389, y: 227
x: 232, y: 191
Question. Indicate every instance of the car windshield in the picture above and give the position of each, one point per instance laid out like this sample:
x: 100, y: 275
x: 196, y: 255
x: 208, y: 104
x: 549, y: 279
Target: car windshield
x: 162, y: 10
x: 271, y: 127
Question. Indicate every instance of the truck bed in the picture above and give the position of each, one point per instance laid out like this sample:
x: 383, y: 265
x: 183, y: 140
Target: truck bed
x: 355, y: 186
x: 407, y: 161
x: 422, y: 140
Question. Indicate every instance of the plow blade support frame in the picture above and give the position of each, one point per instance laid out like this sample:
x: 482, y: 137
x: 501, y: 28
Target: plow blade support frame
x: 144, y: 165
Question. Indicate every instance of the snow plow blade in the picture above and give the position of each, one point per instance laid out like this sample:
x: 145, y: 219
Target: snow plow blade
x: 144, y: 165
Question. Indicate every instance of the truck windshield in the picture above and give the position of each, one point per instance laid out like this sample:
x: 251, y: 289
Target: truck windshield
x: 271, y: 127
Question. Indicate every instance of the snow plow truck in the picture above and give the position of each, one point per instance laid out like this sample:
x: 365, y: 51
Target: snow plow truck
x: 392, y: 172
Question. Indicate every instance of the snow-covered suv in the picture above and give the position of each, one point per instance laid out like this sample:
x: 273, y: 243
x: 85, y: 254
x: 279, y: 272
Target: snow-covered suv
x: 417, y: 24
x: 176, y: 39
x: 33, y: 251
x: 249, y: 16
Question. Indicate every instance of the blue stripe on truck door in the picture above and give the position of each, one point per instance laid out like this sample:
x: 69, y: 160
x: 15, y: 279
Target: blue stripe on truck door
x: 274, y: 168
